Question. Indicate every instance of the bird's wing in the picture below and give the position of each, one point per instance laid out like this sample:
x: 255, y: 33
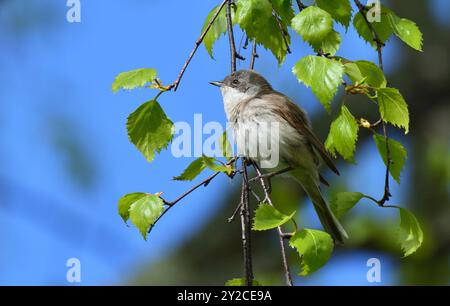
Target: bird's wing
x: 298, y: 119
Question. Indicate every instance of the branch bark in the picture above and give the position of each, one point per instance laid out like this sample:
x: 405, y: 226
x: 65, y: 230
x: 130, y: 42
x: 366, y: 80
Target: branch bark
x: 254, y: 56
x: 231, y: 37
x: 246, y: 226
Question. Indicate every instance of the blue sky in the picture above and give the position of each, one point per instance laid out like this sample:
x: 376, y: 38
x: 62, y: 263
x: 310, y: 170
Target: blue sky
x: 57, y: 76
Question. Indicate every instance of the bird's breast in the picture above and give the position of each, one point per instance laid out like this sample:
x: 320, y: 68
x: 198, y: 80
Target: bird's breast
x: 261, y: 134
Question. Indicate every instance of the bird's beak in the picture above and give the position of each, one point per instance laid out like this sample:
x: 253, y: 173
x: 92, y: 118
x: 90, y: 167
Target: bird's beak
x: 218, y: 84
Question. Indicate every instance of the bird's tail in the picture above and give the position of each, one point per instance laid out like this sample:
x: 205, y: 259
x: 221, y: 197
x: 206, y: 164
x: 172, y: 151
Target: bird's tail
x: 329, y: 221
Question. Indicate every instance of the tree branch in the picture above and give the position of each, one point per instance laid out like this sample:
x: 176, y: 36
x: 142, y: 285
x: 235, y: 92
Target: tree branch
x: 175, y: 85
x: 246, y: 226
x: 231, y: 37
x: 387, y: 194
x: 204, y: 183
x: 254, y: 56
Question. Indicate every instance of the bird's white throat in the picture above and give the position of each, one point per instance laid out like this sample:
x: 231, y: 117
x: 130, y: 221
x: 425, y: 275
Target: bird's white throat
x: 232, y: 97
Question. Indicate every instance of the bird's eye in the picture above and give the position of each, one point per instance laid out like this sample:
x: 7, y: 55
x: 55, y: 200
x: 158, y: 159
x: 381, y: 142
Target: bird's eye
x: 235, y: 82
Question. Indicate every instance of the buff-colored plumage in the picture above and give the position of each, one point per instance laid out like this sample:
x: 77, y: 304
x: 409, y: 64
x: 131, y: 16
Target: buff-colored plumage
x: 251, y: 104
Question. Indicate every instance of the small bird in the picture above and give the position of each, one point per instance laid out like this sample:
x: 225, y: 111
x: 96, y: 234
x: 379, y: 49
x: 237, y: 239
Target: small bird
x: 251, y: 103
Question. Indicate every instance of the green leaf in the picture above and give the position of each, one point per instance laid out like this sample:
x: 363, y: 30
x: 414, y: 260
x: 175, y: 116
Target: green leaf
x: 393, y: 107
x: 125, y: 203
x: 200, y: 164
x: 340, y: 10
x: 407, y: 31
x: 330, y: 44
x: 149, y: 129
x: 316, y: 27
x: 343, y: 135
x: 134, y: 79
x: 383, y: 28
x: 192, y: 171
x: 323, y: 75
x: 144, y: 212
x: 397, y: 152
x: 272, y: 39
x: 410, y: 235
x: 210, y: 163
x: 284, y: 9
x: 313, y: 24
x: 240, y: 282
x: 343, y: 202
x: 256, y: 19
x: 225, y: 146
x: 365, y: 70
x: 218, y: 28
x: 315, y: 248
x: 253, y: 13
x: 268, y: 217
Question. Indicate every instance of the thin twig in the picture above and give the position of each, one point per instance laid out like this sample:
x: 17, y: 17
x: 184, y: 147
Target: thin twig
x: 281, y: 235
x: 247, y: 41
x: 242, y: 41
x: 300, y: 5
x: 254, y: 56
x: 376, y: 124
x: 231, y: 37
x: 233, y: 216
x: 204, y: 183
x: 284, y: 33
x: 387, y: 194
x: 270, y: 175
x: 376, y: 38
x: 255, y: 195
x: 197, y: 44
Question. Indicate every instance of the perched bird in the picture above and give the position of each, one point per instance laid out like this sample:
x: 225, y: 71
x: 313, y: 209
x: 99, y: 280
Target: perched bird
x: 257, y: 113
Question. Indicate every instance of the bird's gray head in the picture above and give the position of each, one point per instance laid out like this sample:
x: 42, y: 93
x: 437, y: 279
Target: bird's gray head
x: 242, y: 85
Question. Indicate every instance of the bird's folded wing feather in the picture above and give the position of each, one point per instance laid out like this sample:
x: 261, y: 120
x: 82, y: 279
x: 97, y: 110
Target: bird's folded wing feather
x: 297, y: 118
